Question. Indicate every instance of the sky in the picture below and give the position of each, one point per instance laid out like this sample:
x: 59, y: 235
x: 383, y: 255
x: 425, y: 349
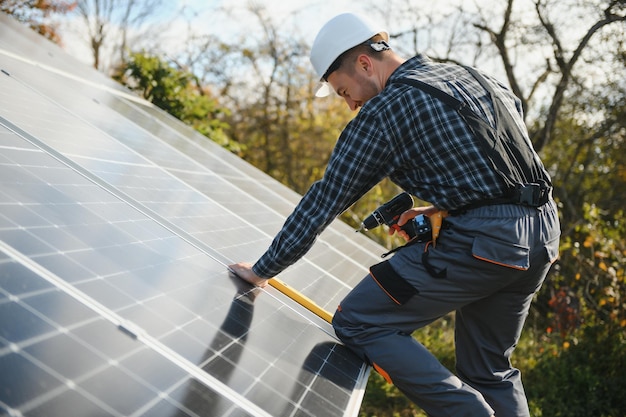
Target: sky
x: 307, y: 15
x: 302, y: 17
x: 230, y: 21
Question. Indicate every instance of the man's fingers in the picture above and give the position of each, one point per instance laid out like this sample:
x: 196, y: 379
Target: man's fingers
x: 244, y: 271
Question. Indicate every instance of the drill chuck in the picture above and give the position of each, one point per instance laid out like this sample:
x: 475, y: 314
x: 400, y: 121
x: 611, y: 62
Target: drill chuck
x: 372, y: 221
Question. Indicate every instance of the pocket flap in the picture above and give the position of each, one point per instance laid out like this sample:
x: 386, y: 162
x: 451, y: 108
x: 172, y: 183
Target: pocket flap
x: 501, y: 253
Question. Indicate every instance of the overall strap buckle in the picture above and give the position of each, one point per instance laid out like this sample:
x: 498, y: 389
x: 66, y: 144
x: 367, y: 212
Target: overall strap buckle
x: 532, y: 195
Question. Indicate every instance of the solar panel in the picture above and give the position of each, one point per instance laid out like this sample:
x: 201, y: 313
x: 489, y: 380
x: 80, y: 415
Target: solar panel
x: 116, y: 226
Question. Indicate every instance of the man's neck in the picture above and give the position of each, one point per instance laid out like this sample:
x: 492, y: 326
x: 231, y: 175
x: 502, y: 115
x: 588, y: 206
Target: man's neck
x: 389, y: 66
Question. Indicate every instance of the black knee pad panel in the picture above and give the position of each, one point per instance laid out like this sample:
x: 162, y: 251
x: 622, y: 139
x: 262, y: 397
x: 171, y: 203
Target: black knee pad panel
x: 396, y: 287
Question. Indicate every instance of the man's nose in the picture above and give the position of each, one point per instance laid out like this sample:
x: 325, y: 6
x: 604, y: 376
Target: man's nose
x: 351, y: 103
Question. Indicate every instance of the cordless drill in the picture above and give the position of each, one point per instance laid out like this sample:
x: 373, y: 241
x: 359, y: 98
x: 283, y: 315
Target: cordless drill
x: 422, y: 228
x: 390, y: 212
x: 419, y: 227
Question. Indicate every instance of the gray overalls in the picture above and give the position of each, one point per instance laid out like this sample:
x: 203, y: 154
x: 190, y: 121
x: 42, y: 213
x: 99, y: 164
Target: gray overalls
x: 488, y: 263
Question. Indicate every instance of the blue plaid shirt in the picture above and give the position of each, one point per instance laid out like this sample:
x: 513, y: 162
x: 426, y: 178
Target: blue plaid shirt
x: 405, y: 134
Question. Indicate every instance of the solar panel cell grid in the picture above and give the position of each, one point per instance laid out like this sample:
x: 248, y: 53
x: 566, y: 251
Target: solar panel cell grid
x: 168, y: 283
x: 116, y: 225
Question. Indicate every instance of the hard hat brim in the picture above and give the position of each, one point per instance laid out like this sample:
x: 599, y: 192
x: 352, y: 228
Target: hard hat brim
x: 323, y: 89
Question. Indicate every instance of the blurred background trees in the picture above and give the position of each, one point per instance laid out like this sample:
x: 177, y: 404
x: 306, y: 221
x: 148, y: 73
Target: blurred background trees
x: 116, y: 25
x: 37, y: 14
x: 251, y: 92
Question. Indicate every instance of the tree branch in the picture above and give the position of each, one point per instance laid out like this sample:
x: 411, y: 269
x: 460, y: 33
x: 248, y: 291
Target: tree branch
x: 545, y: 134
x: 499, y: 39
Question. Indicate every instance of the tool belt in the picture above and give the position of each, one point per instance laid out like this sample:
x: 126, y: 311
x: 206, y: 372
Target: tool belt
x: 529, y: 195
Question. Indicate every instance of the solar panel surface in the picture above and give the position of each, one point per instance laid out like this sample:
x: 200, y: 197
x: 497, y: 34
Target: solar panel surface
x: 116, y: 224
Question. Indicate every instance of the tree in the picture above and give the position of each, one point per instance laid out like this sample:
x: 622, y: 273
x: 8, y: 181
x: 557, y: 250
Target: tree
x: 266, y: 83
x: 37, y: 14
x: 114, y: 23
x: 591, y: 176
x: 539, y: 46
x: 173, y: 90
x: 594, y: 16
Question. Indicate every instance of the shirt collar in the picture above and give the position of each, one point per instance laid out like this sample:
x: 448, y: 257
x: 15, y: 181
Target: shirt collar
x: 417, y: 61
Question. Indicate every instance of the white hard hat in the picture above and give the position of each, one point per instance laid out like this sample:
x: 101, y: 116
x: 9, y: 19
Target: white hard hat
x: 339, y: 34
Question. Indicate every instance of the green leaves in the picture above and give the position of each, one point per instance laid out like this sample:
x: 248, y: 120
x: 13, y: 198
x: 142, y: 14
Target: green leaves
x: 177, y: 92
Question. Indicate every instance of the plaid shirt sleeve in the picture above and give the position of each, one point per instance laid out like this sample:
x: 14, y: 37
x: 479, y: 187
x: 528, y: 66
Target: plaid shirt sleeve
x: 358, y: 162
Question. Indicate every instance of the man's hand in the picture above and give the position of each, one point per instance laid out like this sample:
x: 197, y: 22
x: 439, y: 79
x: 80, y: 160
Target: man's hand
x: 244, y: 271
x: 409, y: 215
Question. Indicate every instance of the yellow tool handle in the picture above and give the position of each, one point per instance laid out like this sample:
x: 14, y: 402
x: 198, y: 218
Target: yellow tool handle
x: 435, y: 223
x: 303, y: 300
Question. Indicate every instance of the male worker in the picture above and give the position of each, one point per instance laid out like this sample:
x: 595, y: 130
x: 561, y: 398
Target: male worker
x: 470, y: 157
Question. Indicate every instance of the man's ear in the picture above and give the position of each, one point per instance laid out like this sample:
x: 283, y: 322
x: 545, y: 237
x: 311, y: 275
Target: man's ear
x: 364, y: 63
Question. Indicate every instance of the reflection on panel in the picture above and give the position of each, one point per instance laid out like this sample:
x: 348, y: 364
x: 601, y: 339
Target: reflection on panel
x: 116, y: 226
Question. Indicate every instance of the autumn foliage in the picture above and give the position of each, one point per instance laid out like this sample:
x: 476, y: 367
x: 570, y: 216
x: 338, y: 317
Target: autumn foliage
x: 37, y: 14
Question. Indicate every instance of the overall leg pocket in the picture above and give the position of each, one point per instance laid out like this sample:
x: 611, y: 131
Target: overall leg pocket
x: 479, y: 266
x: 396, y: 287
x: 501, y: 253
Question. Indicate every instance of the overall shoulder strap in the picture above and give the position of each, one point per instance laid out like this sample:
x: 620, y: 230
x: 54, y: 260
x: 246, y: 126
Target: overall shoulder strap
x: 510, y: 154
x: 434, y: 91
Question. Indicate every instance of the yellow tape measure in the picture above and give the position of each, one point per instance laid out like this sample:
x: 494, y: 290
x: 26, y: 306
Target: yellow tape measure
x: 303, y: 300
